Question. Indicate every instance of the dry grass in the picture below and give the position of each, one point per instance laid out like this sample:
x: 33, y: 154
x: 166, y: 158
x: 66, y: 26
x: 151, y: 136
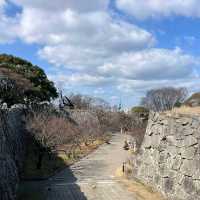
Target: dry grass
x: 141, y: 191
x: 57, y: 162
x: 185, y: 110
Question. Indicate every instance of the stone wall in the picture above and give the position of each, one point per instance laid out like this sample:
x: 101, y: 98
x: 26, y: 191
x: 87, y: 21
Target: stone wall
x: 169, y: 158
x: 11, y: 151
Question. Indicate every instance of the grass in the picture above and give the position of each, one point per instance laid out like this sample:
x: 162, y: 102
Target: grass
x: 55, y: 163
x: 142, y: 191
x: 185, y: 110
x: 49, y: 168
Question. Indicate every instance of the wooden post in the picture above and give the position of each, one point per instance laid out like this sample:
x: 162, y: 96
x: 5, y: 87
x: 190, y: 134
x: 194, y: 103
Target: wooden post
x: 123, y: 167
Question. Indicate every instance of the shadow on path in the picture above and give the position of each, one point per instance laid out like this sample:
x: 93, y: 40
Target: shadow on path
x: 52, y: 189
x: 91, y: 178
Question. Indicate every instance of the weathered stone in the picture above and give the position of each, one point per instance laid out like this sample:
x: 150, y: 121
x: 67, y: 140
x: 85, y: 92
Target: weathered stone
x: 168, y: 184
x: 187, y: 142
x: 184, y: 121
x: 188, y: 153
x: 189, y: 185
x: 171, y: 163
x: 197, y: 133
x: 179, y: 178
x: 188, y: 168
x: 157, y: 179
x: 187, y: 131
x: 163, y: 170
x: 181, y: 194
x: 173, y: 151
x: 11, y: 151
x: 155, y: 141
x: 196, y: 175
x: 195, y: 123
x: 198, y: 147
x: 147, y: 142
x: 176, y: 164
x: 197, y: 186
x: 171, y: 140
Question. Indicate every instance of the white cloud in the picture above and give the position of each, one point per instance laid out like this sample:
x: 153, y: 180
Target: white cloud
x: 160, y: 8
x: 99, y: 91
x: 140, y: 71
x: 8, y: 29
x: 2, y: 3
x: 60, y: 5
x: 152, y: 64
x: 83, y: 39
x: 100, y: 50
x: 81, y: 79
x: 78, y: 35
x: 141, y: 86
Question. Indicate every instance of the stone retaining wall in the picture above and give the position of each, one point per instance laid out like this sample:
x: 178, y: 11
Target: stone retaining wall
x: 11, y: 151
x: 169, y: 158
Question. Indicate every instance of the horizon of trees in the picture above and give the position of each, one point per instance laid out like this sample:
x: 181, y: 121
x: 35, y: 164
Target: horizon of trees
x: 165, y: 98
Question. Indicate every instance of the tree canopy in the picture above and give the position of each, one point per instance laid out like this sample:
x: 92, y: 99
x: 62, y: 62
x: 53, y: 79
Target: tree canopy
x: 164, y: 98
x: 30, y: 80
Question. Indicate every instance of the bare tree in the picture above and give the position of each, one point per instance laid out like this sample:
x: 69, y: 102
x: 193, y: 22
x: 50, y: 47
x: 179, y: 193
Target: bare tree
x: 82, y: 102
x: 164, y: 98
x: 65, y: 102
x: 49, y: 131
x: 89, y: 125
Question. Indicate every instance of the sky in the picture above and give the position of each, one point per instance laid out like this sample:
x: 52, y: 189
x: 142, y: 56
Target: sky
x: 113, y: 49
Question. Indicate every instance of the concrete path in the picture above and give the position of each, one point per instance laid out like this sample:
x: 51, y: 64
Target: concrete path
x: 93, y: 177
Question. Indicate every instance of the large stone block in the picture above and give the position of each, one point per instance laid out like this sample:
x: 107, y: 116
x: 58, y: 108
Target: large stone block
x: 189, y: 152
x: 12, y: 150
x: 188, y: 141
x: 188, y: 168
x: 173, y: 151
x: 168, y: 185
x: 189, y: 185
x: 181, y: 194
x: 171, y: 156
x: 155, y: 141
x: 176, y: 163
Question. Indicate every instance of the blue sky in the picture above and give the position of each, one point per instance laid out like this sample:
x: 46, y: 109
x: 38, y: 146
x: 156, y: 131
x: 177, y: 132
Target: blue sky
x: 107, y: 48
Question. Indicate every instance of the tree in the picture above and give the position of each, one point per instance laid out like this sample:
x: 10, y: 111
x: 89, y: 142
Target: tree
x: 164, y: 98
x: 65, y: 102
x: 89, y: 125
x: 14, y: 88
x: 139, y: 109
x: 193, y: 101
x: 48, y: 131
x: 17, y: 69
x: 82, y: 102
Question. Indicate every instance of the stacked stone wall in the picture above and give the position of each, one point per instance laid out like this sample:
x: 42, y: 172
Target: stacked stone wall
x: 12, y: 150
x: 169, y: 158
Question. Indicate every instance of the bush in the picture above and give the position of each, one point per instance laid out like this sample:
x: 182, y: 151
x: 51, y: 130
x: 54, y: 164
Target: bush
x: 17, y: 69
x: 139, y: 109
x: 88, y: 124
x: 48, y: 131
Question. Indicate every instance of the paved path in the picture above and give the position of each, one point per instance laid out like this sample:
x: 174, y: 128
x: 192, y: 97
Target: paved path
x: 92, y: 178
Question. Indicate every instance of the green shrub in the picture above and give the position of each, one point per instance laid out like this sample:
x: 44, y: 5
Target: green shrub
x: 17, y: 69
x: 139, y: 109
